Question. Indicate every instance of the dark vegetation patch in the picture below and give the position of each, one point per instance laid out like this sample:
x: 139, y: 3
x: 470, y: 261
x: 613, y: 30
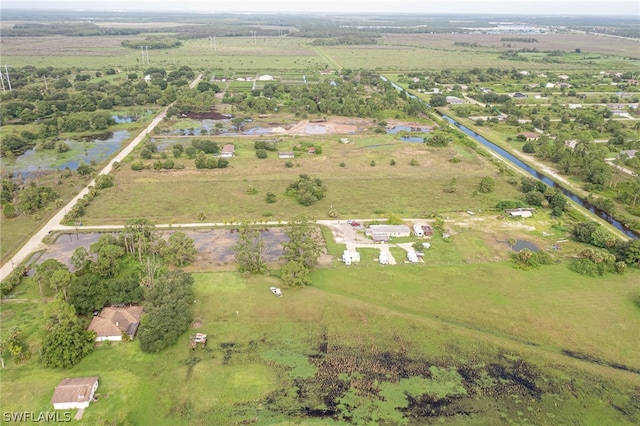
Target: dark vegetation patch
x: 362, y: 382
x: 594, y: 360
x: 208, y: 115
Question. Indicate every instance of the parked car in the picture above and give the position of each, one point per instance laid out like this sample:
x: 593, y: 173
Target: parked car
x: 276, y: 291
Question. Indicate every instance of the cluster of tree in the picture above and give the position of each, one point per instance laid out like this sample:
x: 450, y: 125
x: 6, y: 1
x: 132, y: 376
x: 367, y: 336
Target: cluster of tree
x: 204, y: 161
x: 609, y: 253
x: 14, y: 145
x: 29, y: 199
x: 526, y: 258
x: 361, y: 94
x: 520, y: 39
x: 300, y: 252
x: 168, y: 310
x: 76, y: 29
x: 536, y: 193
x: 438, y: 139
x: 344, y: 41
x: 306, y: 190
x: 55, y: 103
x: 153, y: 43
x: 67, y: 341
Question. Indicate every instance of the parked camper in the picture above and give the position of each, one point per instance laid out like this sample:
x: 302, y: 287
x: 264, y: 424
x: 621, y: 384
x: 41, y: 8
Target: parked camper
x: 418, y: 231
x: 384, y: 259
x: 412, y: 256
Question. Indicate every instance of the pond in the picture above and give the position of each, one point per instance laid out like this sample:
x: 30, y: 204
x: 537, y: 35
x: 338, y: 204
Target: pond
x: 524, y: 244
x: 98, y: 149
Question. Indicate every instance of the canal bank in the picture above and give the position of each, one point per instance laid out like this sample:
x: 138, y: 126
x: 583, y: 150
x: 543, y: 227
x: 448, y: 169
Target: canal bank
x: 531, y: 171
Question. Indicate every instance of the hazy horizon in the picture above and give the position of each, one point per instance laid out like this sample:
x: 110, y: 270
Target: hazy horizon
x: 627, y: 8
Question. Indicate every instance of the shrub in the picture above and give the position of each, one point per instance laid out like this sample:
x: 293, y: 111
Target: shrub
x: 270, y: 197
x: 137, y: 165
x: 261, y: 153
x: 104, y: 181
x: 288, y: 164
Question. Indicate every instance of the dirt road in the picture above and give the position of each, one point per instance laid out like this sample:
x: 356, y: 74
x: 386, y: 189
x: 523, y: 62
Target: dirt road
x: 35, y: 242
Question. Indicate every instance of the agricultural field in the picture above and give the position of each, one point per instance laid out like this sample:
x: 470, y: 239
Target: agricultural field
x: 475, y: 332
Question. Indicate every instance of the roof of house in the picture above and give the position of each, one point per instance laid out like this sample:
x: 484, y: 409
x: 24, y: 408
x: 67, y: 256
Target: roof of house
x: 113, y: 321
x: 530, y: 135
x: 74, y: 390
x: 286, y: 154
x: 629, y: 152
x: 228, y: 148
x: 389, y: 229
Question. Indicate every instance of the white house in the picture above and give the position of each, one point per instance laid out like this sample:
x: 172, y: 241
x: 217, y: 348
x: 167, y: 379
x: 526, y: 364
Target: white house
x: 111, y: 322
x: 454, y: 100
x: 412, y: 257
x: 418, y: 231
x: 286, y: 154
x: 227, y: 150
x: 520, y: 212
x: 389, y: 230
x: 74, y: 393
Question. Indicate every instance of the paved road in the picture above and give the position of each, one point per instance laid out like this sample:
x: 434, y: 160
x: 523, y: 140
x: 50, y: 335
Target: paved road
x: 35, y: 242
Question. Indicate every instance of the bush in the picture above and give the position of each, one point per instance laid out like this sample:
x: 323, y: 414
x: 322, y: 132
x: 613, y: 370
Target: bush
x: 9, y: 211
x: 104, y: 181
x: 137, y: 165
x: 261, y: 153
x: 270, y: 197
x: 486, y: 185
x: 288, y: 164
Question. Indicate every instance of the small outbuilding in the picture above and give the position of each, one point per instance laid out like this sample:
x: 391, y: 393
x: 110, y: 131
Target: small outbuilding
x: 520, y: 212
x: 74, y: 393
x: 198, y: 339
x: 628, y: 153
x: 228, y: 151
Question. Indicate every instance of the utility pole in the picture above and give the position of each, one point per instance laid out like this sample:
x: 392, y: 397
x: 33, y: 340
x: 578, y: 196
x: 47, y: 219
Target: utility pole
x: 145, y: 59
x: 8, y: 79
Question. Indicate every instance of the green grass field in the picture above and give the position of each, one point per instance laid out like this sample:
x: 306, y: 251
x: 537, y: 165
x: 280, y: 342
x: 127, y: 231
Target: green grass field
x: 357, y: 189
x: 259, y: 345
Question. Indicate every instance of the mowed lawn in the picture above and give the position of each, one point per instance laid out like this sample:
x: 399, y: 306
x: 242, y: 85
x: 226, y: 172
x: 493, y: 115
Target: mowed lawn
x: 354, y: 186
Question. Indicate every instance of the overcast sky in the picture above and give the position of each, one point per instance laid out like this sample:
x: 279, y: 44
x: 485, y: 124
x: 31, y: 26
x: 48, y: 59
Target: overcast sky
x: 629, y: 8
